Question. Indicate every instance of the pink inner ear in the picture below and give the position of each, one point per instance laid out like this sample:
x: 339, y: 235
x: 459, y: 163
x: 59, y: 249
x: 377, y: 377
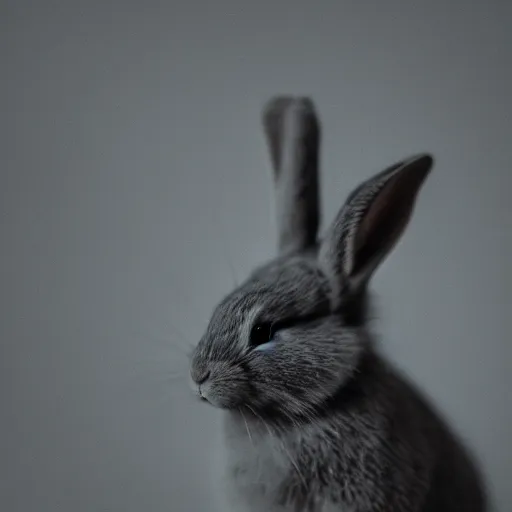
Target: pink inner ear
x: 385, y: 219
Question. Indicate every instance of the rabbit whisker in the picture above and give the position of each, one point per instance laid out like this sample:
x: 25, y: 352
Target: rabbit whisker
x: 246, y: 427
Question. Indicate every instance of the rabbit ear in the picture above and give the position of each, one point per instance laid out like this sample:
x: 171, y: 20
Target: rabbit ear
x: 293, y: 135
x: 370, y: 223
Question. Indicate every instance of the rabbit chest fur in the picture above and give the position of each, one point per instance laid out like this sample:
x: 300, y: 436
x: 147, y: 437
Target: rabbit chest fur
x: 345, y: 461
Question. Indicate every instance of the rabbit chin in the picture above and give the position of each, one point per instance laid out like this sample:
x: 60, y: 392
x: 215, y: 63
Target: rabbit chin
x: 233, y: 397
x: 270, y: 407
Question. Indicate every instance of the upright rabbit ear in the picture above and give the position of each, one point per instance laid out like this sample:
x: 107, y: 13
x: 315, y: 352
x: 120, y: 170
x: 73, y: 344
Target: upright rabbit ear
x: 370, y: 224
x: 292, y: 130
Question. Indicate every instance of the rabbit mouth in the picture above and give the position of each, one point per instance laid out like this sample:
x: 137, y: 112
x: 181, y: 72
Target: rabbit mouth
x: 214, y: 395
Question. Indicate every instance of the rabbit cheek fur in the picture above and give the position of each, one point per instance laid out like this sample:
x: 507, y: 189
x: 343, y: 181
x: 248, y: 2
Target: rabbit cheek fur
x: 315, y: 419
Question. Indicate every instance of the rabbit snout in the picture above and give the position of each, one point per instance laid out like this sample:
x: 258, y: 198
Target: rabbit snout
x: 218, y: 382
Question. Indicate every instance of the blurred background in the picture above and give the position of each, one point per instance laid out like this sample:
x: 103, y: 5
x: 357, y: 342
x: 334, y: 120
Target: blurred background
x: 135, y: 187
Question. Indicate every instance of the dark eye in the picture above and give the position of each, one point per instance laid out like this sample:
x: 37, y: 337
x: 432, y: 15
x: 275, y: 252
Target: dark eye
x: 261, y: 333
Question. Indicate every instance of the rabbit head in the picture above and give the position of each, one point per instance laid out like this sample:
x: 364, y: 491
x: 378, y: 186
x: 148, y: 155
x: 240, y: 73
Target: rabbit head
x: 293, y: 334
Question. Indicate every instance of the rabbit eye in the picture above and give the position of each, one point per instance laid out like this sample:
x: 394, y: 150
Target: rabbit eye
x: 260, y: 334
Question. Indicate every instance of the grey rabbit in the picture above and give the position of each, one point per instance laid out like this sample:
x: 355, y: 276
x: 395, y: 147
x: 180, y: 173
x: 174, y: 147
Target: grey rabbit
x: 315, y: 418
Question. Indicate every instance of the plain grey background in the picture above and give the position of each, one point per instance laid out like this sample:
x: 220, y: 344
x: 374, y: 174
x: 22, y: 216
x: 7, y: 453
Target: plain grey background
x: 135, y: 186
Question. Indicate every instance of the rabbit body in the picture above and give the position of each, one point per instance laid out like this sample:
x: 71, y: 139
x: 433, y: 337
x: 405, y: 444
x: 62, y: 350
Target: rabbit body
x: 386, y: 451
x: 315, y: 419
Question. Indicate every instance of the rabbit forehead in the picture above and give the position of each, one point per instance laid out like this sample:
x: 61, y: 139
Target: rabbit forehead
x: 281, y: 287
x: 295, y: 286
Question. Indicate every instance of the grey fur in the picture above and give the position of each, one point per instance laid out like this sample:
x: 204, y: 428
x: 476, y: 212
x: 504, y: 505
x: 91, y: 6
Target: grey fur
x: 293, y: 136
x: 317, y: 420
